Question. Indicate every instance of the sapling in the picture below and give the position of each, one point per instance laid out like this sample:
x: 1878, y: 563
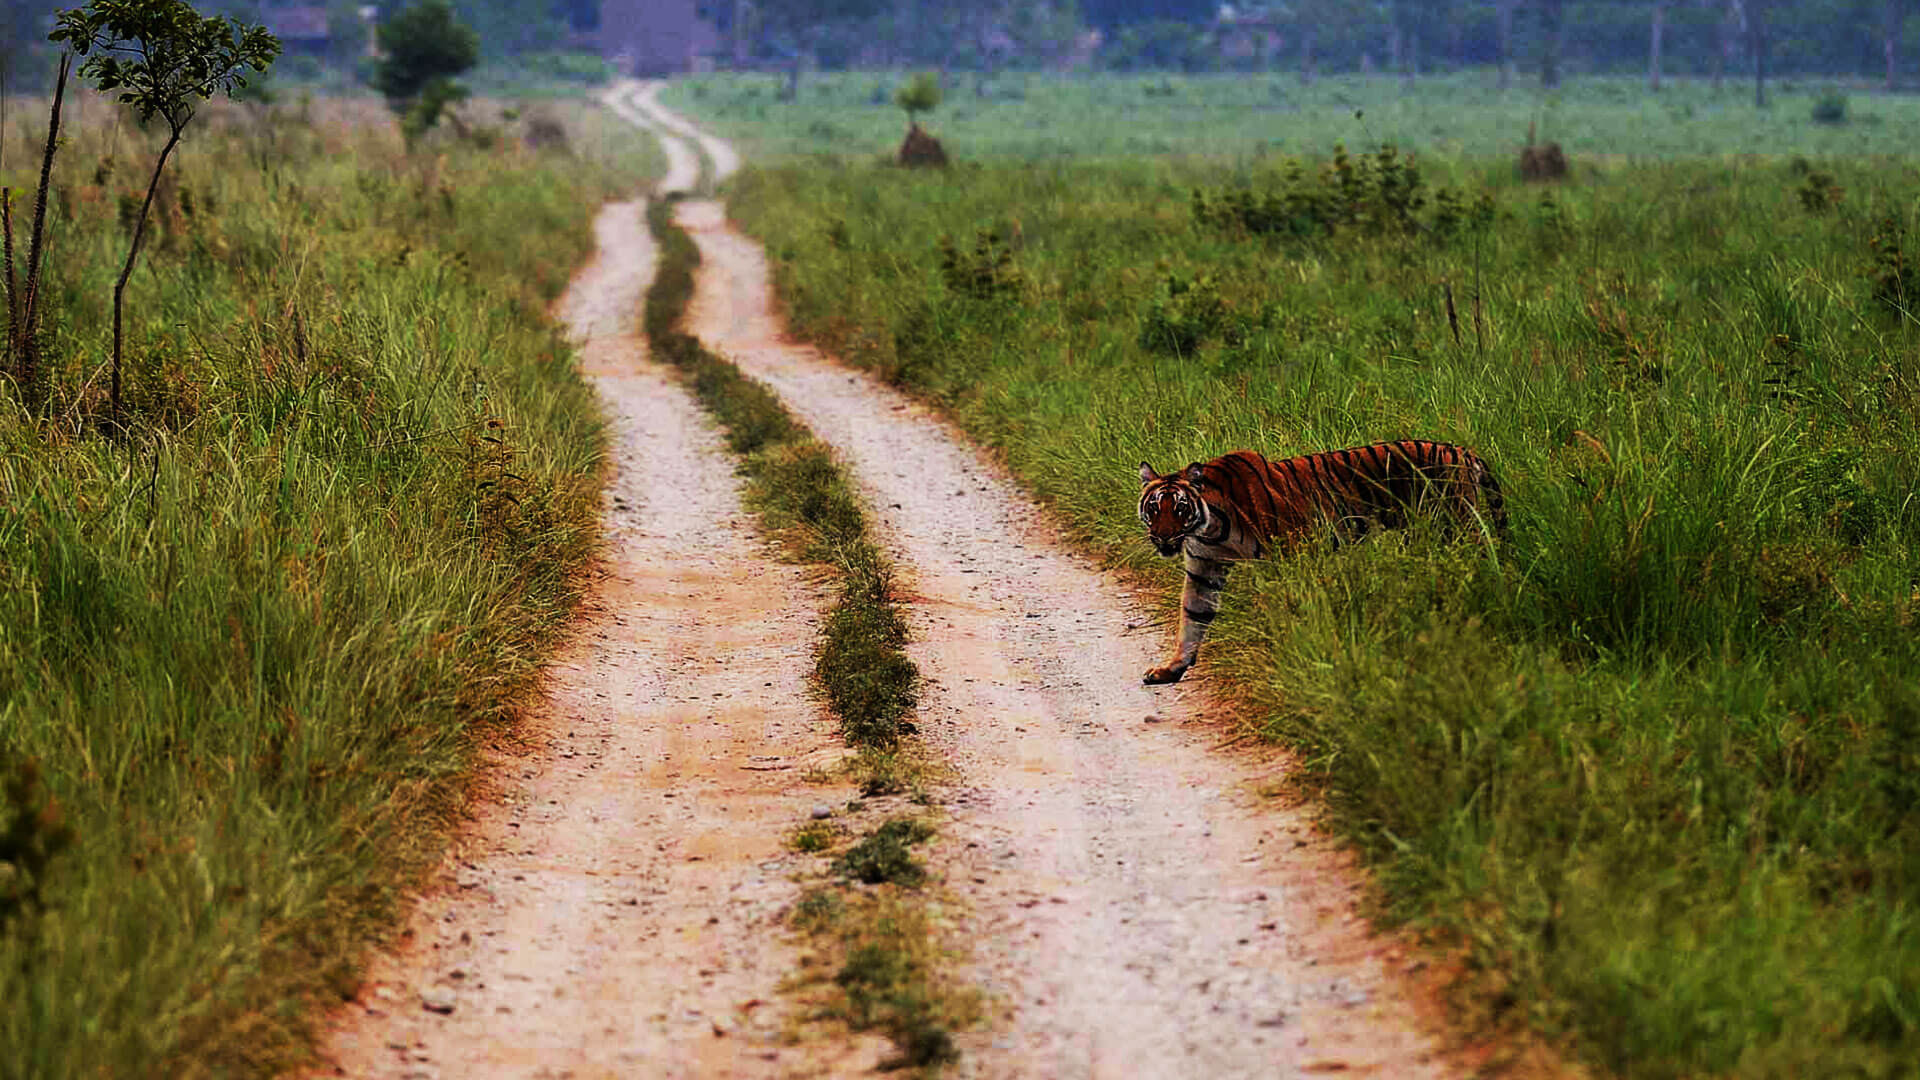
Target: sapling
x: 164, y: 58
x: 920, y: 94
x: 23, y: 293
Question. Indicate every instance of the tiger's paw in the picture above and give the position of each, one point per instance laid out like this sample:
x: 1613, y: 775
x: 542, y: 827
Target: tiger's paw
x: 1169, y: 673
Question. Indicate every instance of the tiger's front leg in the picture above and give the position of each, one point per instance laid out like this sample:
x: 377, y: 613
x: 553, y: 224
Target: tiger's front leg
x: 1199, y: 603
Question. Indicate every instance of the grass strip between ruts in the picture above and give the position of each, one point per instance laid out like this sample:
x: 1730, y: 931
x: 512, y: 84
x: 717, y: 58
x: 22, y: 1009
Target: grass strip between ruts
x: 882, y: 944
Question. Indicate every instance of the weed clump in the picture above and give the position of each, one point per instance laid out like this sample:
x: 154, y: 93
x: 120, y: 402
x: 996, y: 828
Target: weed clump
x: 1453, y: 215
x: 985, y: 273
x: 1896, y: 282
x: 1553, y: 229
x: 884, y: 958
x: 1183, y: 313
x: 881, y: 987
x: 883, y: 856
x: 1818, y: 192
x: 1376, y: 194
x: 32, y: 837
x: 871, y: 685
x: 1831, y: 493
x: 813, y: 837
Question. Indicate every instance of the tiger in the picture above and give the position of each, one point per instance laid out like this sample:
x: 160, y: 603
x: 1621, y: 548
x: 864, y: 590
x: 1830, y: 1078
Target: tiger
x: 1238, y: 505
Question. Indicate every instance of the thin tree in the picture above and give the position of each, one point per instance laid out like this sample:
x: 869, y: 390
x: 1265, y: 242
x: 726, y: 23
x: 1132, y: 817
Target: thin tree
x: 426, y: 45
x: 1732, y: 23
x: 1655, y: 38
x: 1503, y: 26
x: 1756, y: 14
x: 1890, y: 20
x: 23, y: 294
x: 1552, y: 38
x: 804, y: 24
x: 164, y: 59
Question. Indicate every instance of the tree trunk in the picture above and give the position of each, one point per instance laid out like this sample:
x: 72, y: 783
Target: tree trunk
x: 12, y: 284
x: 1551, y: 16
x: 26, y: 339
x: 1306, y: 57
x: 1889, y: 38
x: 133, y: 252
x: 1757, y: 39
x: 1654, y: 40
x: 1730, y: 27
x: 1505, y: 27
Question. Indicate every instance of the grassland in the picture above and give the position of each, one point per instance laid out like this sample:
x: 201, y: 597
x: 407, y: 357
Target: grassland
x: 252, y: 645
x: 1455, y: 119
x: 1650, y: 762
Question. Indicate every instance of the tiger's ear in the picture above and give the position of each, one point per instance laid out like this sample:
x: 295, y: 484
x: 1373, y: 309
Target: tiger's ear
x: 1147, y: 475
x: 1196, y: 474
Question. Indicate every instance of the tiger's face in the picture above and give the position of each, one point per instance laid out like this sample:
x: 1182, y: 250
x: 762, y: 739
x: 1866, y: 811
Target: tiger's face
x: 1170, y: 508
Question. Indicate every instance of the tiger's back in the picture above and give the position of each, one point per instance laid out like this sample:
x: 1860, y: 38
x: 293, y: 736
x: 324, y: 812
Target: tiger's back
x: 1353, y: 491
x: 1240, y: 504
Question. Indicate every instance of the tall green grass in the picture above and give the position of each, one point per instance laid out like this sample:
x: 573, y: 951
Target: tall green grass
x: 254, y: 644
x: 1652, y: 759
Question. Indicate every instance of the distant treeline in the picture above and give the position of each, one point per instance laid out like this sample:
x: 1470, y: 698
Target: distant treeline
x: 1543, y: 39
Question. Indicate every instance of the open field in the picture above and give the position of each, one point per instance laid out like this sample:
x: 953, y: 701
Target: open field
x: 1651, y: 759
x: 253, y: 643
x: 1457, y: 119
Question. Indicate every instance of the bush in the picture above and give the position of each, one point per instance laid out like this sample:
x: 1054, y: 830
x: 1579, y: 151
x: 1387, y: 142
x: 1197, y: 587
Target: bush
x: 424, y: 45
x: 883, y: 856
x: 1183, y: 314
x: 1378, y: 193
x: 1830, y: 109
x: 919, y: 94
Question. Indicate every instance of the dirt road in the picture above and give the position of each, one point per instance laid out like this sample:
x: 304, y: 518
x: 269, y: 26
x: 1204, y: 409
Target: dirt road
x: 1136, y: 907
x: 613, y: 911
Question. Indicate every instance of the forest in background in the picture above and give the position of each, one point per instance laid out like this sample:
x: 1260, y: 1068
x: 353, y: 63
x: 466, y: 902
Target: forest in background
x: 1544, y: 40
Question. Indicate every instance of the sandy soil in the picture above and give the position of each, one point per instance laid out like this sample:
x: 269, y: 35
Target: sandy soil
x: 1136, y: 909
x: 615, y: 911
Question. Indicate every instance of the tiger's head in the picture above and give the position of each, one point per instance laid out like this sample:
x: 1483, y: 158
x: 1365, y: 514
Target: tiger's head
x: 1171, y: 507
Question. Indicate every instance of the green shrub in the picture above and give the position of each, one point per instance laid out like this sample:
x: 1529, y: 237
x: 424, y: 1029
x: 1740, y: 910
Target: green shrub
x: 884, y: 855
x: 919, y: 94
x: 1185, y: 313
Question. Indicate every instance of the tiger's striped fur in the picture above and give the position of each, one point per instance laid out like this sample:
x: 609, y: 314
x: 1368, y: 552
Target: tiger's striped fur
x: 1237, y: 506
